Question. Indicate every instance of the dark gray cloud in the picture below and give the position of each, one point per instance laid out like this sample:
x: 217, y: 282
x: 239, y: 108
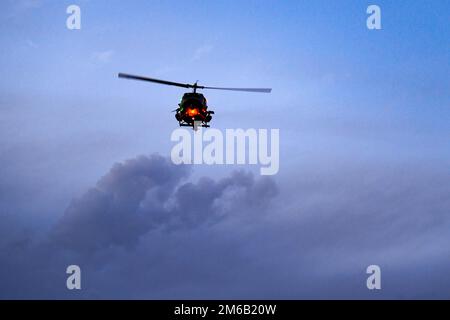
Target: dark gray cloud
x: 116, y: 212
x: 147, y: 193
x: 147, y: 231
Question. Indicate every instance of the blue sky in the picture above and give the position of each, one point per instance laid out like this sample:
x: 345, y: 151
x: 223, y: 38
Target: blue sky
x: 324, y: 65
x: 356, y: 108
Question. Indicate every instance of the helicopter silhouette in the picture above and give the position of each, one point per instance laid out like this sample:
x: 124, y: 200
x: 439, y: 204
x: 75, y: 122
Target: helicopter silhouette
x: 193, y: 107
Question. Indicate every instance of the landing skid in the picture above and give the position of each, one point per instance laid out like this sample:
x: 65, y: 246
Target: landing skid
x: 204, y: 125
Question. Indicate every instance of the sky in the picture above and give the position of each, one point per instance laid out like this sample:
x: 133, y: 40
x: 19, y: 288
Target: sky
x: 86, y: 176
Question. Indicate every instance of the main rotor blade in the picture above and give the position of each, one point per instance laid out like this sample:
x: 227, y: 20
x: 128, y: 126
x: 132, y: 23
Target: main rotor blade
x: 170, y: 83
x: 263, y: 90
x: 187, y: 85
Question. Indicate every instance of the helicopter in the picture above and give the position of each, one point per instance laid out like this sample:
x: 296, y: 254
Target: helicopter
x: 193, y: 107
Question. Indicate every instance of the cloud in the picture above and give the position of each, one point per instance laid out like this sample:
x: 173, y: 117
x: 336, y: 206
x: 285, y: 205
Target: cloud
x: 133, y: 202
x: 31, y: 44
x: 145, y: 230
x: 25, y: 5
x: 202, y: 51
x: 103, y: 56
x: 16, y: 9
x: 147, y: 193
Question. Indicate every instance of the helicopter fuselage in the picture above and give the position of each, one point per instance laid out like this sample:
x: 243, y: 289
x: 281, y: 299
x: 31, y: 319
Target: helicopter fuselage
x: 193, y: 107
